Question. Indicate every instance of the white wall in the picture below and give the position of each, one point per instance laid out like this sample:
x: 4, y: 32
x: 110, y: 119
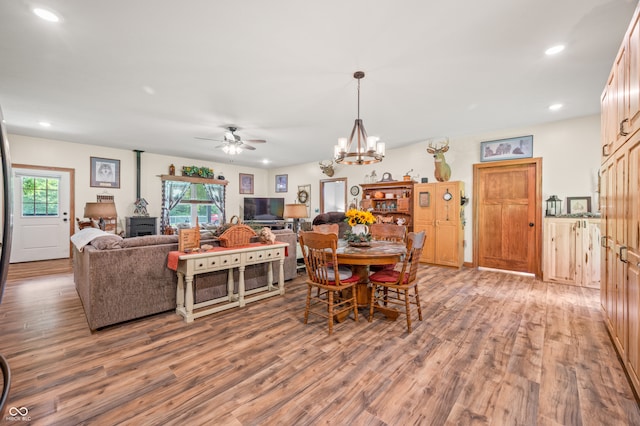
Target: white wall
x: 53, y: 153
x: 570, y: 151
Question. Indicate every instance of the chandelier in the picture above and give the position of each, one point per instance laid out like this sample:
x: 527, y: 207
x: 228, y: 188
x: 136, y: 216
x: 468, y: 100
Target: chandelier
x: 368, y: 149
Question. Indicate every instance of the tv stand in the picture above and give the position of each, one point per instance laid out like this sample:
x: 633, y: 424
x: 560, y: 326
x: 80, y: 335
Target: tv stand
x: 273, y: 224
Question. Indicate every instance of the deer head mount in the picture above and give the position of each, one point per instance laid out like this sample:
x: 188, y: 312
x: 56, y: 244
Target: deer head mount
x: 442, y: 170
x: 327, y: 167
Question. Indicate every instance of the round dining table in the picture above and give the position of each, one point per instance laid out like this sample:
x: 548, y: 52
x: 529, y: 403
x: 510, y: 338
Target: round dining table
x: 361, y: 258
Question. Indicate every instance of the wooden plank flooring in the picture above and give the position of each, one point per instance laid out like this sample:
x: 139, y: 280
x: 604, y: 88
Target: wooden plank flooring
x: 492, y: 349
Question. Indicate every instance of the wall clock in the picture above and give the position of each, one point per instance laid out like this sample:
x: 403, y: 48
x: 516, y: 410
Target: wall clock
x: 355, y: 190
x: 447, y: 195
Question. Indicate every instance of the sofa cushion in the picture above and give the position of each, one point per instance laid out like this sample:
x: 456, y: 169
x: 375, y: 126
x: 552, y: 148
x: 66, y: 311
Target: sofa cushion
x: 107, y: 242
x: 330, y: 217
x: 148, y: 240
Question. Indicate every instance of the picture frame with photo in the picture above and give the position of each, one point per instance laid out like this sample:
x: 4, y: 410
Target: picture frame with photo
x: 246, y: 183
x: 282, y: 183
x: 105, y: 173
x: 577, y: 205
x: 507, y: 149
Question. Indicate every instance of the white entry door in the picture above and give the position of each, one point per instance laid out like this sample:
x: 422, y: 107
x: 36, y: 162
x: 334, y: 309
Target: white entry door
x: 40, y: 215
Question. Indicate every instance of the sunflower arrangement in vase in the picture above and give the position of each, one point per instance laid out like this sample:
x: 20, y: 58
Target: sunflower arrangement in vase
x: 359, y: 220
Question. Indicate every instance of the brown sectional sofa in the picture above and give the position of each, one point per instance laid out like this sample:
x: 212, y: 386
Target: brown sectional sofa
x: 121, y: 280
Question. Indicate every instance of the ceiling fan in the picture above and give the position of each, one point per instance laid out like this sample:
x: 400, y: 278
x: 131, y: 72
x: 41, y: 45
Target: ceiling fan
x: 233, y: 144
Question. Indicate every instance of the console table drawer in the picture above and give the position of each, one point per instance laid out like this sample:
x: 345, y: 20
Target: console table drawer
x: 215, y: 263
x: 275, y: 254
x: 263, y: 256
x: 254, y: 257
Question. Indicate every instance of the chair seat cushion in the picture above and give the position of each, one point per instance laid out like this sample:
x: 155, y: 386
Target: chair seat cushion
x: 344, y: 272
x: 388, y: 276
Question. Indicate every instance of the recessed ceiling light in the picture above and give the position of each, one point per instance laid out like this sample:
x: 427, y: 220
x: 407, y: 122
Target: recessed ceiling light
x: 555, y: 107
x: 44, y: 124
x: 45, y: 14
x: 265, y: 161
x: 554, y: 49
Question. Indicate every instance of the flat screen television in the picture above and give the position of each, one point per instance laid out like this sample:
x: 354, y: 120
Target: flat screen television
x: 263, y: 208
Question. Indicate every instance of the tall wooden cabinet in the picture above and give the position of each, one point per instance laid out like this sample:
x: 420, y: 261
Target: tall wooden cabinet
x: 439, y: 211
x: 389, y: 201
x: 620, y: 202
x: 571, y: 251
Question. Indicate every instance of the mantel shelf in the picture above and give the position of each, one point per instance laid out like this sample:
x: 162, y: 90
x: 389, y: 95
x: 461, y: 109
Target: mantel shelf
x: 194, y: 179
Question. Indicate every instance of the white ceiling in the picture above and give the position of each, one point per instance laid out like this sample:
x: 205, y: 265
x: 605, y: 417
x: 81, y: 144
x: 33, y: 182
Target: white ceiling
x: 282, y: 70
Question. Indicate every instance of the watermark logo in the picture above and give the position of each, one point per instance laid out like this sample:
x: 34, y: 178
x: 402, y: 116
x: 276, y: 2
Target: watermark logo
x: 18, y: 414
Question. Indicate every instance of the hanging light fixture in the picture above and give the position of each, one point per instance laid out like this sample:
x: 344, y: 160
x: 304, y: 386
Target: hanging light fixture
x: 367, y: 150
x: 232, y: 148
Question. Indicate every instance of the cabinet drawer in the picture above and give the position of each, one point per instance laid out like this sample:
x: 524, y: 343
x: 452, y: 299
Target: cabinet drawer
x: 254, y: 257
x: 403, y: 204
x: 275, y: 254
x: 217, y: 262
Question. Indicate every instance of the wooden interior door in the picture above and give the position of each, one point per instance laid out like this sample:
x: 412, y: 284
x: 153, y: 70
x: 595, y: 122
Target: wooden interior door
x: 508, y: 215
x: 424, y: 218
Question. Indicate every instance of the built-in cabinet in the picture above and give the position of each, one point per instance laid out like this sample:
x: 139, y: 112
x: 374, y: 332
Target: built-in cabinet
x: 571, y: 251
x: 389, y: 201
x: 438, y: 209
x: 620, y: 203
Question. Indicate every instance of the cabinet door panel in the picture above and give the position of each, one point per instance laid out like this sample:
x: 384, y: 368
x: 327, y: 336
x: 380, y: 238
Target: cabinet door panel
x: 633, y: 79
x: 633, y: 292
x: 560, y: 251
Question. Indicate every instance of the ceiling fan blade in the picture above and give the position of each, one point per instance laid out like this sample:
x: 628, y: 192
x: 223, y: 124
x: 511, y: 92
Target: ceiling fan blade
x: 249, y: 147
x: 208, y: 139
x: 255, y: 140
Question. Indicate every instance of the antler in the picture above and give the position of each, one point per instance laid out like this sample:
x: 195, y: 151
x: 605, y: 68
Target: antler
x: 444, y: 148
x: 327, y: 168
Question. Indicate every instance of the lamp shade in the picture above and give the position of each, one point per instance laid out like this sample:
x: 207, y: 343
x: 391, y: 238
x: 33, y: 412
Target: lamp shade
x: 99, y: 210
x: 295, y: 211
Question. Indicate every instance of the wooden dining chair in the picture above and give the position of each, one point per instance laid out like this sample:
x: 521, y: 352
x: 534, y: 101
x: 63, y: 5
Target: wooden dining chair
x: 388, y: 232
x: 327, y: 228
x: 393, y: 286
x: 336, y: 287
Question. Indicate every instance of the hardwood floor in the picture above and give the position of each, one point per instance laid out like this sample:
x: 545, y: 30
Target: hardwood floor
x: 492, y: 349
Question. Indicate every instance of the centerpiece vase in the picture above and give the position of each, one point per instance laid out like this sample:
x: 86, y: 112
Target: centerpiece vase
x: 360, y: 229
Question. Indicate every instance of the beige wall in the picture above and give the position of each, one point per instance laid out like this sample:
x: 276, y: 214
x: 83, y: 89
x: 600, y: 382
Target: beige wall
x: 570, y: 152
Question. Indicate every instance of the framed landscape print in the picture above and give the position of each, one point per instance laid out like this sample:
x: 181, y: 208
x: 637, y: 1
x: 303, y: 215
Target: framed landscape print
x: 105, y: 173
x: 281, y: 183
x: 246, y: 183
x: 507, y: 149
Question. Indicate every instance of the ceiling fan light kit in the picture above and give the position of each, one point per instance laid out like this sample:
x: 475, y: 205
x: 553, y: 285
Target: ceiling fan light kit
x: 233, y: 144
x: 368, y: 150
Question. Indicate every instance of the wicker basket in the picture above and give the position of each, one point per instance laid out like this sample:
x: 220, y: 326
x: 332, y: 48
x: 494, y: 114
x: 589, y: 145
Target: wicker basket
x: 237, y: 235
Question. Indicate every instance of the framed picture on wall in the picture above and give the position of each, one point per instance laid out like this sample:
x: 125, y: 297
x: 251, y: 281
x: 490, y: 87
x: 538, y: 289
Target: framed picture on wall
x: 577, y: 205
x: 105, y: 173
x: 507, y: 149
x: 246, y: 183
x: 282, y: 183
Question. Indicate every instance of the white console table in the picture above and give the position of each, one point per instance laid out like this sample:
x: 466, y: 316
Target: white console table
x: 190, y: 265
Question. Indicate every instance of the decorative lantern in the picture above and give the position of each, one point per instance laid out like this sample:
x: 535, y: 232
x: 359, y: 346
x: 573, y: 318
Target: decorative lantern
x: 554, y: 206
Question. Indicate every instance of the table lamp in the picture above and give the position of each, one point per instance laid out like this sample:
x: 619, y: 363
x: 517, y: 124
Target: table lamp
x: 295, y: 212
x: 100, y: 211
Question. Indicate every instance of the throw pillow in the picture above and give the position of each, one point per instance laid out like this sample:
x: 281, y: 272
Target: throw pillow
x: 107, y: 242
